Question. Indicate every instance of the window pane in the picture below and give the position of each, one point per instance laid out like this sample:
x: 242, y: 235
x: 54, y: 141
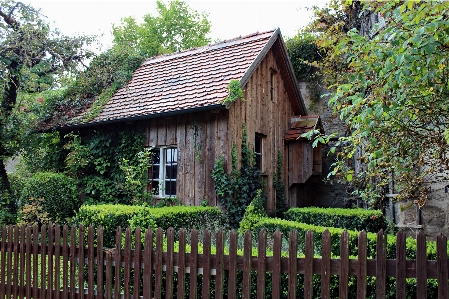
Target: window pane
x: 170, y: 172
x: 155, y: 187
x: 155, y: 156
x: 170, y: 187
x: 172, y: 155
x: 258, y: 145
x: 155, y: 172
x: 259, y: 162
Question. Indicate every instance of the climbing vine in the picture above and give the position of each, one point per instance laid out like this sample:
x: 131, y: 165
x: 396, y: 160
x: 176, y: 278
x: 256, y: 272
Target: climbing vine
x: 235, y: 92
x: 279, y: 187
x: 238, y: 188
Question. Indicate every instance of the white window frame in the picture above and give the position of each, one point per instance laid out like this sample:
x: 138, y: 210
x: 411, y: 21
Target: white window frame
x: 162, y: 170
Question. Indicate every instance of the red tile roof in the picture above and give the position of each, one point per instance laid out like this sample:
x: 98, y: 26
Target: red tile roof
x: 189, y: 79
x: 301, y: 125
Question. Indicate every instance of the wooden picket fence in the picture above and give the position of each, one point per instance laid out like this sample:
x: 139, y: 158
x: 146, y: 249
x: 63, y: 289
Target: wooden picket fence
x: 61, y: 262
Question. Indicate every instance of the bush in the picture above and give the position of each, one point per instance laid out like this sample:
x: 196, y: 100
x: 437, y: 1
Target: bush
x: 177, y: 217
x: 253, y: 213
x: 351, y: 219
x: 59, y: 194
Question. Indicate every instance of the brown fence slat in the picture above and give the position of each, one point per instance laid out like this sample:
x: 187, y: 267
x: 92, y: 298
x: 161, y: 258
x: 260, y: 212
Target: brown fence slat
x: 57, y: 260
x: 81, y: 261
x: 261, y: 263
x: 308, y: 266
x: 381, y: 265
x: 158, y: 266
x: 90, y: 262
x: 35, y: 261
x: 127, y: 262
x: 3, y: 263
x: 193, y: 263
x: 22, y: 262
x: 219, y: 277
x: 292, y: 263
x: 169, y: 264
x: 247, y: 250
x: 72, y: 262
x: 118, y: 262
x: 108, y: 277
x: 65, y: 262
x: 206, y: 265
x: 50, y: 272
x: 276, y: 272
x: 137, y: 263
x: 182, y: 263
x: 100, y: 263
x: 361, y: 266
x: 344, y: 265
x: 232, y: 265
x: 15, y: 244
x: 421, y: 265
x: 43, y: 261
x: 8, y: 278
x: 29, y: 251
x: 400, y: 265
x: 325, y: 264
x: 442, y: 266
x: 147, y: 264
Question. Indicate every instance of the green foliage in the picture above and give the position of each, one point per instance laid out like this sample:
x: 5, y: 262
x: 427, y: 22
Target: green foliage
x: 303, y: 51
x: 237, y: 189
x: 33, y: 58
x: 391, y: 89
x: 235, y: 92
x: 350, y: 219
x: 59, y: 194
x: 253, y: 214
x: 175, y: 27
x: 279, y: 188
x: 110, y: 166
x: 109, y: 217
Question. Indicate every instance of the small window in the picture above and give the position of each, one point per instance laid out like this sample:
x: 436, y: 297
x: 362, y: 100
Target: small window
x: 163, y: 171
x: 258, y: 151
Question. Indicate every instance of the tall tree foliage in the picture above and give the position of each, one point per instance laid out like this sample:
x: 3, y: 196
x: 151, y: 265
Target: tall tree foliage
x: 32, y: 58
x: 175, y: 28
x: 391, y: 88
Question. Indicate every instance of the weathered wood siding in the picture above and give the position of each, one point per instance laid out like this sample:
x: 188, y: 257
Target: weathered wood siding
x: 200, y: 138
x: 266, y: 110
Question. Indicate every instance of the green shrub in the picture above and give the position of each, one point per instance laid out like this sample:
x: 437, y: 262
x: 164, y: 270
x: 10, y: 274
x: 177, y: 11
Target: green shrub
x: 253, y: 213
x: 109, y: 217
x: 59, y: 194
x: 351, y: 219
x: 177, y: 217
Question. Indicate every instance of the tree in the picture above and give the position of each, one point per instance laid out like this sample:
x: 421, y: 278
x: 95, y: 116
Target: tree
x: 32, y: 58
x: 175, y: 28
x: 391, y: 88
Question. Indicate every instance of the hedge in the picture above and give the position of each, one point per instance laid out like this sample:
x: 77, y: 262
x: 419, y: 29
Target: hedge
x: 59, y: 193
x: 351, y: 219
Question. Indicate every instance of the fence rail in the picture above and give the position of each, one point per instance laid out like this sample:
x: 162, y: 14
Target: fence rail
x: 58, y: 262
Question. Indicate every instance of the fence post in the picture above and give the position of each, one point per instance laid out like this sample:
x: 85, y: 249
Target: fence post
x: 182, y: 263
x: 137, y: 263
x: 206, y: 265
x: 158, y: 267
x: 421, y: 265
x: 118, y: 261
x: 148, y: 264
x: 276, y: 274
x: 100, y: 263
x: 169, y: 264
x: 344, y: 265
x: 381, y: 265
x: 308, y: 266
x: 90, y: 262
x: 193, y: 263
x: 400, y: 265
x: 247, y: 250
x: 232, y: 265
x: 261, y: 263
x: 325, y: 264
x: 442, y: 266
x: 361, y: 266
x: 219, y: 277
x: 127, y: 263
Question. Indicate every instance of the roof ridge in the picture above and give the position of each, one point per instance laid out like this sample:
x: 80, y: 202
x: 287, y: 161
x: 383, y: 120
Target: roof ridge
x: 194, y: 50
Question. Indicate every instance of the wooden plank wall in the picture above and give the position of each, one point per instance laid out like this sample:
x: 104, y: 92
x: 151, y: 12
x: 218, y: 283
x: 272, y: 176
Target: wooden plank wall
x: 217, y: 131
x: 265, y: 114
x: 200, y: 138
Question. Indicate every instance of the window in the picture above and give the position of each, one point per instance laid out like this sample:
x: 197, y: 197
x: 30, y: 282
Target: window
x: 258, y: 150
x: 162, y: 174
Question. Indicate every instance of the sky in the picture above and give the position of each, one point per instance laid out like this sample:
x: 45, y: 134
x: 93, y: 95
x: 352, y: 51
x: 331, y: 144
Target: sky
x: 229, y: 18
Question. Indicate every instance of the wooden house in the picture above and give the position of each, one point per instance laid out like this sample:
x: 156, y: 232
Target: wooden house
x: 177, y: 99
